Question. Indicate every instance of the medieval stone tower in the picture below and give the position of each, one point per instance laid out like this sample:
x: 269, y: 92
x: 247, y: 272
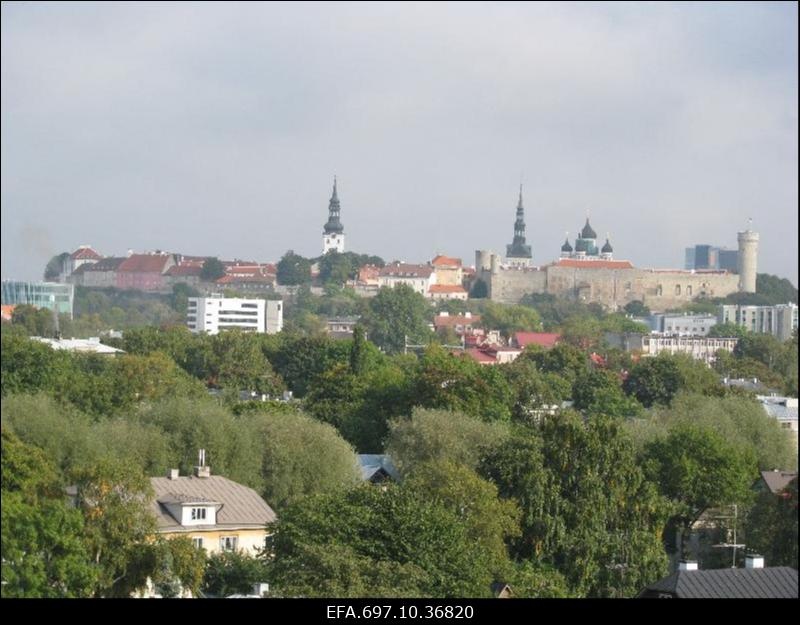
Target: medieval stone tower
x: 748, y: 260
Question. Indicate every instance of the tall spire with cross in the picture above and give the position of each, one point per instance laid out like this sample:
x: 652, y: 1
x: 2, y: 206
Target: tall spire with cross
x: 518, y: 249
x: 333, y: 231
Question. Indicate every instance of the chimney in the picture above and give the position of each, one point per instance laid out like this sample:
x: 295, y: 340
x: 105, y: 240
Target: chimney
x: 201, y: 470
x: 172, y: 474
x: 753, y: 561
x: 687, y: 565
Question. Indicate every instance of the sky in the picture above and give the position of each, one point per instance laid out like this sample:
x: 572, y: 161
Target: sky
x: 217, y: 129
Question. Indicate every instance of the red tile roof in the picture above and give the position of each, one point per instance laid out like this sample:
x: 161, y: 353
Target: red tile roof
x: 144, y: 263
x: 446, y: 288
x: 185, y: 270
x: 479, y: 356
x: 84, y: 253
x: 441, y: 260
x: 543, y: 339
x: 111, y: 263
x: 594, y: 264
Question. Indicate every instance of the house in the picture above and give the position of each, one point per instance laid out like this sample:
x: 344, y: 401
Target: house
x: 377, y: 468
x: 774, y: 481
x: 102, y: 274
x: 145, y: 272
x: 418, y: 277
x: 216, y: 513
x: 448, y: 270
x: 439, y: 292
x: 461, y: 324
x: 752, y: 582
x: 501, y: 590
x: 491, y: 354
x: 783, y: 410
x: 542, y: 339
x: 341, y: 327
x: 84, y: 255
x: 82, y: 346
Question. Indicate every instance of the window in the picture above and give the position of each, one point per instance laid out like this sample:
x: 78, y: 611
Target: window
x: 689, y: 290
x: 198, y: 514
x: 228, y: 543
x: 197, y: 542
x: 659, y: 290
x: 677, y: 289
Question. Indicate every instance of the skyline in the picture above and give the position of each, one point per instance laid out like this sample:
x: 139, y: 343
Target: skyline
x: 217, y: 129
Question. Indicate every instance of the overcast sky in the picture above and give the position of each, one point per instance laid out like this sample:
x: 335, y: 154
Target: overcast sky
x: 216, y: 129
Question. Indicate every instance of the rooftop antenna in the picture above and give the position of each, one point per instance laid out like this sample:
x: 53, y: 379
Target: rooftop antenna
x: 733, y: 545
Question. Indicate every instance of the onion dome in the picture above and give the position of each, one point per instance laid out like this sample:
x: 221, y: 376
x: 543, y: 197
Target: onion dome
x: 566, y: 247
x: 607, y: 249
x: 587, y: 232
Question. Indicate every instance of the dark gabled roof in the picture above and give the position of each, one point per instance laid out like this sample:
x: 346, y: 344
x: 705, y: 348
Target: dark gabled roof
x: 778, y: 582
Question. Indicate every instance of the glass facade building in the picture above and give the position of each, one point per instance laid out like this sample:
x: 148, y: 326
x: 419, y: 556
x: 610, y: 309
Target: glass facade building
x: 50, y: 295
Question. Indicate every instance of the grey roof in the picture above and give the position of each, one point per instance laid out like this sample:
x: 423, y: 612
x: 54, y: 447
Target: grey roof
x: 587, y: 232
x: 372, y: 463
x: 240, y: 505
x: 779, y: 411
x: 776, y: 481
x: 767, y: 583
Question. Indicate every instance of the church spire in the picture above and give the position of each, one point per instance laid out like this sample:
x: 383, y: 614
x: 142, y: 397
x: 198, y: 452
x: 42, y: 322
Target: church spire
x: 334, y: 225
x: 518, y: 248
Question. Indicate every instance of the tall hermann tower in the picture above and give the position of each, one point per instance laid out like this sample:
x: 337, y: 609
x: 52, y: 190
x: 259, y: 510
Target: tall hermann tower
x: 333, y: 233
x: 748, y: 260
x: 518, y: 253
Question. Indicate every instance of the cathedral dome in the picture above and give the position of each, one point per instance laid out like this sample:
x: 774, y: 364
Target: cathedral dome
x: 581, y: 245
x: 607, y: 249
x: 587, y: 232
x: 566, y: 247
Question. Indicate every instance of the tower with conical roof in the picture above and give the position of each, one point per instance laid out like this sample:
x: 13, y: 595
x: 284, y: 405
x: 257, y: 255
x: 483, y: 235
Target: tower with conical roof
x: 566, y: 249
x: 518, y: 253
x: 333, y: 232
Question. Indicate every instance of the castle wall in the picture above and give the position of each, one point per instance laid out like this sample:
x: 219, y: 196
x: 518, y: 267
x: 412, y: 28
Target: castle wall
x: 613, y: 288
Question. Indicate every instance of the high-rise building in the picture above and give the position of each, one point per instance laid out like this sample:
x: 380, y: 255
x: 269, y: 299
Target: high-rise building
x: 704, y: 256
x: 780, y: 320
x: 333, y: 232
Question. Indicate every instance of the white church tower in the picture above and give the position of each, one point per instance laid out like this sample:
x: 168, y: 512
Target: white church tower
x: 333, y: 233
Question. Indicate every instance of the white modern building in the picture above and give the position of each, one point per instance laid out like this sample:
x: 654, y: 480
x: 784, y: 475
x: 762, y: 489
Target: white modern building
x: 698, y: 347
x: 682, y: 324
x: 780, y: 320
x: 213, y: 314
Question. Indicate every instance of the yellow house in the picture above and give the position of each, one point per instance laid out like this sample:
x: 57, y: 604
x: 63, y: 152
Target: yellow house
x: 216, y: 513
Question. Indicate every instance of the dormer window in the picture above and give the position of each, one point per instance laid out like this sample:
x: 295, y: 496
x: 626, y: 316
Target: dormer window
x: 198, y: 514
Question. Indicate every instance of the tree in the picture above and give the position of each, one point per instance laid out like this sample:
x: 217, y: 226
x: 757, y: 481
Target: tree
x: 739, y: 421
x: 584, y: 332
x: 336, y: 268
x: 637, y: 309
x: 654, y: 381
x: 490, y: 521
x: 343, y: 544
x: 43, y: 553
x: 776, y: 290
x: 762, y: 347
x: 698, y: 469
x: 727, y: 330
x: 575, y: 482
x: 302, y: 457
x: 395, y: 314
x: 300, y: 359
x: 293, y: 269
x: 233, y: 572
x: 509, y: 319
x: 455, y: 382
x: 771, y: 526
x: 441, y: 435
x: 115, y: 501
x: 55, y: 266
x: 212, y: 270
x: 597, y: 391
x: 479, y: 289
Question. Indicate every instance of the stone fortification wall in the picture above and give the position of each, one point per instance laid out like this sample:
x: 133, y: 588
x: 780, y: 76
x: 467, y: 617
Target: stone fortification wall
x: 613, y: 288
